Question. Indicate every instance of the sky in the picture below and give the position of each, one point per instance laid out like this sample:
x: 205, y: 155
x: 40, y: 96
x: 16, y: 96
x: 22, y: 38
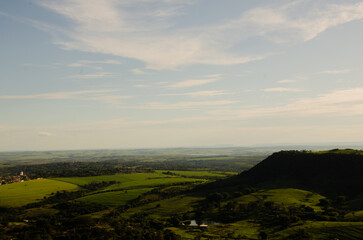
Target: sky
x: 90, y: 74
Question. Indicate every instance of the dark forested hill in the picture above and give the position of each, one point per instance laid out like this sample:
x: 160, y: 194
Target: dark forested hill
x: 335, y: 172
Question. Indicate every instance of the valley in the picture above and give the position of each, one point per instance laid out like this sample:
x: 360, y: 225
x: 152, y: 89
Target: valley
x: 284, y: 196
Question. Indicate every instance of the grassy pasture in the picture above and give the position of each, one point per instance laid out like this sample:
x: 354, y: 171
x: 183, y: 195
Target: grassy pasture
x: 357, y: 215
x: 197, y: 173
x: 245, y: 228
x: 35, y: 212
x: 135, y: 184
x: 183, y: 233
x: 166, y: 207
x: 22, y: 193
x: 151, y: 183
x: 130, y: 181
x: 325, y: 230
x: 286, y: 196
x: 122, y: 178
x: 116, y: 197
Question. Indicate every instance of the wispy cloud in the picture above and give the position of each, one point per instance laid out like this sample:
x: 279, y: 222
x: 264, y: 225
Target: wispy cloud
x: 183, y: 120
x: 45, y: 134
x: 138, y: 71
x: 186, y: 105
x: 141, y: 85
x: 335, y: 71
x: 90, y: 63
x: 210, y: 93
x: 282, y: 24
x: 347, y: 102
x: 286, y: 81
x: 279, y: 89
x: 108, y: 27
x: 107, y: 96
x: 95, y: 75
x: 147, y: 33
x: 191, y: 83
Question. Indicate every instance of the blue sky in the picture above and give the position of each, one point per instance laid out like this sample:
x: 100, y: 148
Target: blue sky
x: 82, y: 74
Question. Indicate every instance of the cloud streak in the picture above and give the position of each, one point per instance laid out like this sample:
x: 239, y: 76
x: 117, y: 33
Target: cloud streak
x: 90, y: 63
x: 86, y: 95
x: 210, y: 93
x: 191, y: 83
x: 338, y: 103
x: 189, y: 105
x: 94, y: 75
x: 279, y: 89
x: 334, y: 72
x: 44, y: 134
x: 148, y: 35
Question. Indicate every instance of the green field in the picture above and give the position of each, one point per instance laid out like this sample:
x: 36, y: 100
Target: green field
x: 357, y: 215
x: 197, y: 173
x: 166, y: 207
x: 135, y: 184
x: 285, y: 196
x: 130, y: 181
x: 22, y: 193
x: 325, y: 230
x: 35, y: 212
x: 115, y: 197
x: 151, y: 183
x: 122, y: 178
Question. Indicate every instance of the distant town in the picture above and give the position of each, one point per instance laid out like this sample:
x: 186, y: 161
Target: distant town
x: 13, y: 179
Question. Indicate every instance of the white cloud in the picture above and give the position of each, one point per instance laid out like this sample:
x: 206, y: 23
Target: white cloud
x: 89, y: 63
x: 145, y: 30
x: 44, y: 134
x: 107, y: 96
x: 210, y: 93
x: 185, y: 105
x: 95, y: 75
x: 286, y: 81
x: 191, y: 83
x: 57, y: 95
x: 141, y: 86
x: 293, y: 23
x: 111, y: 99
x: 175, y: 121
x: 138, y: 71
x: 347, y: 102
x: 282, y: 90
x: 335, y: 71
x: 145, y: 33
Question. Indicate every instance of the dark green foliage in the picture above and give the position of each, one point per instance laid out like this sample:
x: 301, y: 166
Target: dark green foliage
x: 327, y: 173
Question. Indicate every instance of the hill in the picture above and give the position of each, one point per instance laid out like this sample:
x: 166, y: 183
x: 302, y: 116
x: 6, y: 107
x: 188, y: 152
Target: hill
x: 332, y: 173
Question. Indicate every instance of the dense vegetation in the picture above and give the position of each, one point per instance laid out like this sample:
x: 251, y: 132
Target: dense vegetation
x: 289, y: 195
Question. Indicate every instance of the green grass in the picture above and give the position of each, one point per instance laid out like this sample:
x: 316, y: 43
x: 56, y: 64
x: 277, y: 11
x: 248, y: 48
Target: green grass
x: 325, y: 230
x: 35, y: 212
x: 285, y: 196
x: 114, y: 198
x: 130, y: 181
x: 354, y: 215
x: 123, y: 178
x: 22, y: 193
x: 184, y: 234
x: 197, y: 173
x: 151, y: 183
x: 243, y: 228
x: 341, y: 151
x: 167, y: 207
x: 135, y: 184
